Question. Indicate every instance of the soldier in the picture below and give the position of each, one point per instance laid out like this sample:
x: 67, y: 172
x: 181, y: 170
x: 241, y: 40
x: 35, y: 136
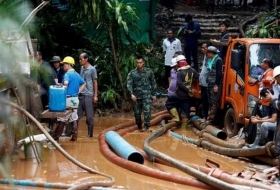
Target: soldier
x: 142, y: 86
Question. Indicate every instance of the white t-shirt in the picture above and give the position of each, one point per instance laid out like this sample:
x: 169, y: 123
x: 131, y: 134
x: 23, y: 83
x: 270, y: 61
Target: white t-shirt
x: 170, y: 48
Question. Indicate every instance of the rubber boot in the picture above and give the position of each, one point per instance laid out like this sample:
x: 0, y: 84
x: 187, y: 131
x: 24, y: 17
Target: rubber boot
x: 184, y: 123
x: 175, y: 115
x: 68, y: 130
x: 74, y: 131
x: 139, y: 126
x: 59, y: 130
x: 256, y: 142
x: 90, y: 131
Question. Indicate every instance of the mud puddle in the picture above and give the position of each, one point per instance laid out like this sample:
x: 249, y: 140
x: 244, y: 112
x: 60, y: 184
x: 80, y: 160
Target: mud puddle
x: 55, y: 168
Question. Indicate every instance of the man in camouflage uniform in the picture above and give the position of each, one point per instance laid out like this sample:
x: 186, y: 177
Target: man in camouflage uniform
x: 141, y: 85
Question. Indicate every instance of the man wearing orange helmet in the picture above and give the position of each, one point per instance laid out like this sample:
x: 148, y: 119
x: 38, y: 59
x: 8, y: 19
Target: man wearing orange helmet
x: 75, y: 84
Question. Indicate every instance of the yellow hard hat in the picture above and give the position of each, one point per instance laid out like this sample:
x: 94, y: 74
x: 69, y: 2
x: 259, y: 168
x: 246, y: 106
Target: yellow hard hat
x: 68, y: 60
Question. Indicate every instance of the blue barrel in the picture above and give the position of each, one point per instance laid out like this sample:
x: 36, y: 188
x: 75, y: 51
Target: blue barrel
x: 123, y: 148
x: 57, y: 98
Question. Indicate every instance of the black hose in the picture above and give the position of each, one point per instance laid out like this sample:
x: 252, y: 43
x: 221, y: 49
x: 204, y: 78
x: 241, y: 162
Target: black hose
x: 179, y: 165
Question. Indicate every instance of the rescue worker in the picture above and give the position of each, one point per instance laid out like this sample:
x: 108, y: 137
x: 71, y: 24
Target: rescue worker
x: 172, y: 90
x: 266, y: 78
x: 57, y: 69
x: 89, y: 94
x: 192, y: 33
x: 266, y: 123
x: 223, y: 38
x: 185, y: 76
x: 75, y: 85
x: 142, y: 87
x: 276, y: 104
x: 203, y: 82
x: 214, y: 80
x: 265, y: 82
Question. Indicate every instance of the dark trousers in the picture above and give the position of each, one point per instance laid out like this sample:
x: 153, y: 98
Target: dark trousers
x: 213, y: 100
x: 191, y: 52
x: 184, y: 104
x: 145, y: 106
x: 167, y: 70
x: 85, y: 105
x: 204, y: 101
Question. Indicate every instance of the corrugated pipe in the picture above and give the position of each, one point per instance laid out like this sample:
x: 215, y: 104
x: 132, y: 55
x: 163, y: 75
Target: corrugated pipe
x: 215, y: 140
x: 267, y: 160
x: 217, y: 173
x: 208, y: 128
x: 248, y: 152
x: 62, y: 151
x: 142, y: 169
x: 179, y: 165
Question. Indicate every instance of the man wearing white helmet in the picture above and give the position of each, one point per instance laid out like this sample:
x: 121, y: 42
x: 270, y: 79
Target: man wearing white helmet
x: 173, y: 77
x: 172, y: 87
x: 185, y: 75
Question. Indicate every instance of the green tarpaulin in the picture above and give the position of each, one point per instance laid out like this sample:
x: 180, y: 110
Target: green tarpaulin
x: 147, y: 9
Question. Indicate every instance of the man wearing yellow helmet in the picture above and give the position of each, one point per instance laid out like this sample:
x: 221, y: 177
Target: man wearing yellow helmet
x: 75, y: 84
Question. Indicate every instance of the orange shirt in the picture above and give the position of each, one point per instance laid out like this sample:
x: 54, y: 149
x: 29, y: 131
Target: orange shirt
x: 266, y: 82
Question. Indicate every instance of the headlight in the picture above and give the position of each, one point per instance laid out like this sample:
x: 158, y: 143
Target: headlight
x: 252, y: 101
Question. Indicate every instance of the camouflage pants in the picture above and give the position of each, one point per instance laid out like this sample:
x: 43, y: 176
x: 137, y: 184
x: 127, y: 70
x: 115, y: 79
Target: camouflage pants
x: 145, y: 106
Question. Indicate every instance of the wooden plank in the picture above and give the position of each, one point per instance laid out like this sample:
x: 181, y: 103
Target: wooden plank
x: 50, y: 114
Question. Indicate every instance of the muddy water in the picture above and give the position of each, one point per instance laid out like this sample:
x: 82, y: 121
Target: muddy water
x: 56, y: 168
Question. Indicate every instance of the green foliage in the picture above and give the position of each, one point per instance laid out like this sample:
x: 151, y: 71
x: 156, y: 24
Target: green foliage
x: 110, y: 96
x: 84, y: 27
x: 268, y: 27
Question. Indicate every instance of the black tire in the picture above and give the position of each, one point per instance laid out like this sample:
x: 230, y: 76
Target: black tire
x: 230, y: 125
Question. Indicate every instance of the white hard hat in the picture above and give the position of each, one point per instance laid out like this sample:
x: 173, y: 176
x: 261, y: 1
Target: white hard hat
x: 213, y: 49
x: 173, y: 62
x: 180, y: 58
x: 276, y: 71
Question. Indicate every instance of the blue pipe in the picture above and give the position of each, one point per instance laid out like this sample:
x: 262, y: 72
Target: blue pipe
x: 123, y: 148
x: 193, y: 141
x: 46, y: 185
x: 34, y: 184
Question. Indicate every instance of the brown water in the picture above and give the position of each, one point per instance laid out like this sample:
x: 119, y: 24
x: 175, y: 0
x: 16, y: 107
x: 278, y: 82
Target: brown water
x: 56, y: 168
